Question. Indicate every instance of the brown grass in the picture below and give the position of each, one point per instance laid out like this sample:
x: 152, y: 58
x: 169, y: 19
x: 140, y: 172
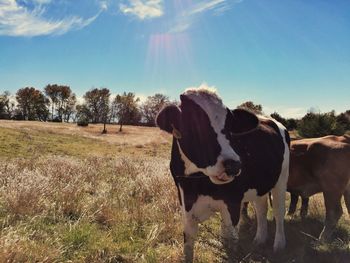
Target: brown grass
x: 131, y: 135
x: 36, y: 139
x: 59, y: 205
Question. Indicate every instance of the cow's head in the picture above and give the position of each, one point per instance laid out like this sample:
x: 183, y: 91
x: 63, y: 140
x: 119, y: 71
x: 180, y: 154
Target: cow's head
x: 202, y: 126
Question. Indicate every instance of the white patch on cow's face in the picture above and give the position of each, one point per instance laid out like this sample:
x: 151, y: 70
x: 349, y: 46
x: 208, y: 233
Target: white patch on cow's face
x: 216, y: 113
x: 217, y: 171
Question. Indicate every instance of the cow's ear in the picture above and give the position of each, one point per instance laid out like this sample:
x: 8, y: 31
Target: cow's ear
x: 168, y: 119
x: 243, y: 121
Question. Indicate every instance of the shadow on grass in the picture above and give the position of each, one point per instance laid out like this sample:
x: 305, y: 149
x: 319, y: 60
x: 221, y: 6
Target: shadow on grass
x: 302, y: 244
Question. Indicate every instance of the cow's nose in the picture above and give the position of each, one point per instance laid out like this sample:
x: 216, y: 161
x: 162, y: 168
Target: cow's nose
x: 232, y: 167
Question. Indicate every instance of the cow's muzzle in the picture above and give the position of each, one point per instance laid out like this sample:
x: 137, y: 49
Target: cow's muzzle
x: 232, y: 167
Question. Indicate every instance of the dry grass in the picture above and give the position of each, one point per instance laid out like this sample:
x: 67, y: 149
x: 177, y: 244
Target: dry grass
x: 90, y: 210
x: 35, y: 139
x: 105, y: 202
x: 131, y: 135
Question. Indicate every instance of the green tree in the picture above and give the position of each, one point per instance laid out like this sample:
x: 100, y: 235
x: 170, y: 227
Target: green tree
x: 126, y: 109
x: 61, y: 97
x: 320, y: 124
x: 291, y: 124
x: 83, y: 115
x: 279, y: 118
x: 32, y: 104
x: 97, y: 101
x: 344, y: 119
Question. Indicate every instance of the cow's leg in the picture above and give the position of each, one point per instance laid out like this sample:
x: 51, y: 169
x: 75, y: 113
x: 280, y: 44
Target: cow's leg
x: 293, y: 203
x: 279, y: 207
x: 347, y: 199
x: 244, y: 211
x: 304, y: 207
x: 261, y: 213
x: 190, y: 233
x: 229, y: 232
x: 333, y: 213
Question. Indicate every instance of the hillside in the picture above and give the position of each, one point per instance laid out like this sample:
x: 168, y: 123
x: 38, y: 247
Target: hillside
x: 70, y: 194
x: 25, y: 139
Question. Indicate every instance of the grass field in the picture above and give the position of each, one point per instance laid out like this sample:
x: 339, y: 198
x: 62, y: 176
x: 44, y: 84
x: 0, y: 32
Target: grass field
x: 70, y: 194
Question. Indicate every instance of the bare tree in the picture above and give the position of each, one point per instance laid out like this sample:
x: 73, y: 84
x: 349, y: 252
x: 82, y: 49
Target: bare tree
x: 152, y: 106
x: 6, y: 106
x: 97, y: 101
x: 69, y: 107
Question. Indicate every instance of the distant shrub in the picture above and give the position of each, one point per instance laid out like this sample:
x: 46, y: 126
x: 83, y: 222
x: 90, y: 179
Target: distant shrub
x: 83, y: 123
x: 320, y: 124
x: 291, y: 124
x: 344, y: 119
x: 279, y: 118
x: 57, y: 119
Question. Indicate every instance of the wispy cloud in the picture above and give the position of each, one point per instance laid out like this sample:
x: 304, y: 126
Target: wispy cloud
x: 143, y: 9
x: 19, y: 20
x: 207, y: 5
x: 103, y: 5
x: 185, y: 19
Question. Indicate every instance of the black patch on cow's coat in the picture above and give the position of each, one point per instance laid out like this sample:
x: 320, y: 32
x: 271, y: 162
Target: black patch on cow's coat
x: 198, y: 138
x: 241, y: 121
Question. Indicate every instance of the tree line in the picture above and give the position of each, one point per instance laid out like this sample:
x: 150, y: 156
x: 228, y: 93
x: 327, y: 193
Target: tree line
x: 312, y: 124
x: 59, y: 104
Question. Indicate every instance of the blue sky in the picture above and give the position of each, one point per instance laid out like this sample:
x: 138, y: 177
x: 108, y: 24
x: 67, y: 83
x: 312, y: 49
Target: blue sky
x: 287, y: 55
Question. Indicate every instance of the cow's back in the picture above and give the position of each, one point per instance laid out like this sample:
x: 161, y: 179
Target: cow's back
x: 320, y: 163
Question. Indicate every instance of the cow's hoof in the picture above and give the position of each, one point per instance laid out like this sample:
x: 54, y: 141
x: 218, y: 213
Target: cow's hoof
x: 303, y: 215
x: 279, y: 245
x: 260, y: 240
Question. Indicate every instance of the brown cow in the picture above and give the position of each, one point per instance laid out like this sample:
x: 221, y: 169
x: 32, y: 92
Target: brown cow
x: 322, y: 165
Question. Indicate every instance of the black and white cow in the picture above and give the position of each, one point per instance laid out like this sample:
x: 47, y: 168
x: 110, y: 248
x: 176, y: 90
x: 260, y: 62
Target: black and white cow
x: 221, y: 158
